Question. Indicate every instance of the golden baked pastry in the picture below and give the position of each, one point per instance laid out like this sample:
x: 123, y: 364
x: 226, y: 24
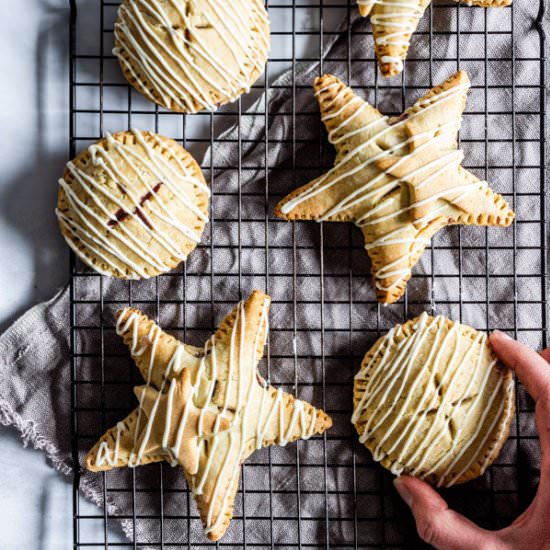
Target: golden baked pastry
x: 393, y: 23
x: 206, y: 409
x: 133, y: 205
x: 432, y: 401
x: 190, y: 55
x: 398, y: 179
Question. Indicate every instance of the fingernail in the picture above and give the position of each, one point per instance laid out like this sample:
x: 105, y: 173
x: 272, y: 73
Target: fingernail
x: 403, y: 491
x: 501, y: 335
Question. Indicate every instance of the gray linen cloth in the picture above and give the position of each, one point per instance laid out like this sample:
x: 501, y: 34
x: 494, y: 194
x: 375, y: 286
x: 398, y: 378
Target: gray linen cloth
x: 35, y: 388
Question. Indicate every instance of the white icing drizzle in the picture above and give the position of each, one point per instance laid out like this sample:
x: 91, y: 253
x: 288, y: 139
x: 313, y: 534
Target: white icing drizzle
x: 104, y: 452
x: 398, y: 25
x: 375, y: 189
x: 248, y: 423
x: 183, y: 69
x: 92, y: 225
x: 392, y: 369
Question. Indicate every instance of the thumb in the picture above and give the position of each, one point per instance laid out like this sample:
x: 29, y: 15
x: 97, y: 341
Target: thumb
x: 436, y: 523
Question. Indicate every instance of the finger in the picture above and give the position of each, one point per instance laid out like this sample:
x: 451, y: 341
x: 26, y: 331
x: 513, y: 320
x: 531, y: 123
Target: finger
x: 534, y: 372
x: 436, y: 523
x: 545, y: 354
x: 530, y: 529
x: 531, y: 368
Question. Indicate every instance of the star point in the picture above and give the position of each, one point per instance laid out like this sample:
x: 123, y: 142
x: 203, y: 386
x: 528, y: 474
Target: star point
x: 395, y: 21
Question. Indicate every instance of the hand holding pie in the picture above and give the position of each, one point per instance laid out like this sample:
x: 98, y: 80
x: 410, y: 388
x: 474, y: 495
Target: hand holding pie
x: 431, y: 400
x: 445, y: 529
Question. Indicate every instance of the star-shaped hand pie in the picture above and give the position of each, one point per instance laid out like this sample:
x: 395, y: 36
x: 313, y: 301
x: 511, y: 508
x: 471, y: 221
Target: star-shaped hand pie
x: 393, y: 23
x: 399, y: 179
x: 206, y: 409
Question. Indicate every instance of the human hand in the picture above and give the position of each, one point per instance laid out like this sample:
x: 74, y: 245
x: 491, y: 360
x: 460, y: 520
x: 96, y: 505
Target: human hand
x: 446, y: 529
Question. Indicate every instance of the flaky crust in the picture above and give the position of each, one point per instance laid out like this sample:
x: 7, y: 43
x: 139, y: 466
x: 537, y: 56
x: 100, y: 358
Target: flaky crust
x: 487, y: 3
x: 126, y: 443
x: 389, y: 17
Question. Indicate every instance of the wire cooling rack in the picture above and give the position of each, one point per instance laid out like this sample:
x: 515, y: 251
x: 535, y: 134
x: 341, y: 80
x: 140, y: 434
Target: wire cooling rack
x: 324, y: 316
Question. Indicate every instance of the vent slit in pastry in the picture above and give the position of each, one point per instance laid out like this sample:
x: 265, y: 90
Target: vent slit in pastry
x: 120, y: 215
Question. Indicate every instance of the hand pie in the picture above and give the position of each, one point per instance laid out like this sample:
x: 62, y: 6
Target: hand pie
x: 398, y: 179
x: 206, y: 409
x: 393, y: 23
x: 432, y: 401
x: 133, y: 205
x: 191, y: 55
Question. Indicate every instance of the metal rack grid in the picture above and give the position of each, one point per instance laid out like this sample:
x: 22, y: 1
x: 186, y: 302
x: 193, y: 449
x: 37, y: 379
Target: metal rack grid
x: 349, y: 502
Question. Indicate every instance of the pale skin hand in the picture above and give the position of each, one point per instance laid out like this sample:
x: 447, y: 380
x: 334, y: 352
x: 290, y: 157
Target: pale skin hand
x: 448, y: 530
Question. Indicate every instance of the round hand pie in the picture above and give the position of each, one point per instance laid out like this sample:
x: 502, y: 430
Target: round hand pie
x: 133, y: 205
x: 432, y: 401
x: 190, y: 55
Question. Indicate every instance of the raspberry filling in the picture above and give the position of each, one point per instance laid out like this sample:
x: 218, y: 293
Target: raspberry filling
x: 121, y: 215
